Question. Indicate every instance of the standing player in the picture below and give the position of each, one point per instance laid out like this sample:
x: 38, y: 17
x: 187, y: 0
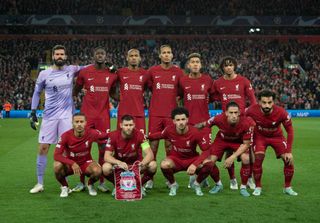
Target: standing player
x: 233, y: 87
x: 196, y: 89
x: 163, y: 82
x: 133, y: 80
x: 99, y: 83
x: 73, y: 154
x: 183, y: 155
x: 235, y: 133
x: 57, y: 82
x: 268, y: 132
x: 124, y: 147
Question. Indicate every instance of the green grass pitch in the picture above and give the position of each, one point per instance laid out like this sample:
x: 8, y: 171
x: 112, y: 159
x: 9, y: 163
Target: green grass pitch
x: 18, y: 146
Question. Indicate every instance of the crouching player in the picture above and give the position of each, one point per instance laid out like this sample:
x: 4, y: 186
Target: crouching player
x: 235, y: 135
x: 268, y: 132
x: 73, y: 154
x: 183, y: 155
x: 124, y: 147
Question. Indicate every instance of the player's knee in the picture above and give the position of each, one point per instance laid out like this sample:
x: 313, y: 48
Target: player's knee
x: 245, y: 158
x: 165, y: 164
x: 106, y: 169
x: 152, y: 166
x: 96, y: 170
x: 43, y: 149
x: 57, y: 167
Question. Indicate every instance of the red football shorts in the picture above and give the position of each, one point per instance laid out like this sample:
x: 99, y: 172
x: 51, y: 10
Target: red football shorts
x: 219, y: 146
x: 83, y: 167
x: 102, y: 124
x: 157, y: 124
x: 279, y: 144
x: 181, y: 164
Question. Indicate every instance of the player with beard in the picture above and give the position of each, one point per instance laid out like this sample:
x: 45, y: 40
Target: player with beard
x: 57, y: 82
x: 184, y: 156
x: 233, y: 87
x: 133, y: 81
x: 73, y: 154
x: 99, y: 84
x: 268, y: 132
x: 163, y: 82
x: 125, y: 146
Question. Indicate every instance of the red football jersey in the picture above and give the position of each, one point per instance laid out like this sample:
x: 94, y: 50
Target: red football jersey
x: 238, y: 89
x: 98, y: 84
x: 270, y: 125
x: 126, y: 150
x: 71, y: 148
x: 183, y: 146
x: 238, y: 133
x: 196, y: 94
x: 164, y: 86
x: 132, y: 86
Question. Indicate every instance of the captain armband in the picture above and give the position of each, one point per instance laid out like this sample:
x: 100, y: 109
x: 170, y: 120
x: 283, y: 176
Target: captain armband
x: 145, y: 145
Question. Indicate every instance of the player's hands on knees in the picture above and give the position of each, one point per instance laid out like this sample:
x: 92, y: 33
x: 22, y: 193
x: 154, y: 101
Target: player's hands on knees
x: 76, y: 169
x: 123, y: 165
x: 34, y: 120
x: 229, y: 161
x: 288, y: 158
x: 191, y: 169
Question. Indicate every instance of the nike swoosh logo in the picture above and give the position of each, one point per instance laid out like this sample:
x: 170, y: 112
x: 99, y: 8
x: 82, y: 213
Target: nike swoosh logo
x: 157, y: 77
x: 90, y: 79
x: 187, y: 87
x: 125, y: 77
x: 222, y: 88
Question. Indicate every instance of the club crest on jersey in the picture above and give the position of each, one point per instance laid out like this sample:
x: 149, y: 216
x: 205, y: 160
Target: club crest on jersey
x: 274, y: 123
x: 107, y: 80
x: 158, y: 85
x: 237, y: 87
x: 126, y: 87
x: 87, y: 144
x: 202, y: 87
x: 188, y: 143
x: 173, y: 77
x: 128, y: 181
x: 140, y: 78
x: 132, y: 146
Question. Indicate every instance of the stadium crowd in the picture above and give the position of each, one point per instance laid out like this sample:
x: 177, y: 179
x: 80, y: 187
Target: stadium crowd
x: 291, y: 69
x: 162, y: 7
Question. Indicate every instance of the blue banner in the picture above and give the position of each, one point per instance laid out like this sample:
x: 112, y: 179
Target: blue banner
x: 113, y: 113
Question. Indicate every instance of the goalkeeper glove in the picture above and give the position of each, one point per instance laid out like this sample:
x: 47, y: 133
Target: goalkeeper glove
x: 34, y: 120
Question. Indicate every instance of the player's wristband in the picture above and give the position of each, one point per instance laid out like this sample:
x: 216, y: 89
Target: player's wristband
x: 145, y: 145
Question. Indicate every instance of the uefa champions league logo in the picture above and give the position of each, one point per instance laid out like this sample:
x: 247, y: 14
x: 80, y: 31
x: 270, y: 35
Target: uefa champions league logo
x: 128, y: 181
